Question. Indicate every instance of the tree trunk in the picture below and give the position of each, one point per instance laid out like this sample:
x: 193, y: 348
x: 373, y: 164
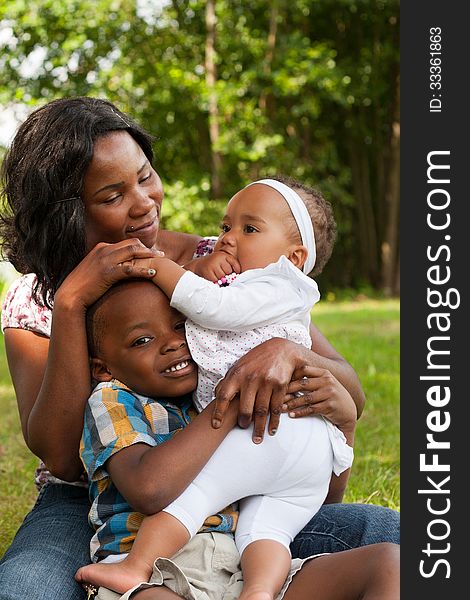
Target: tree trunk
x: 211, y: 79
x: 367, y: 229
x: 392, y: 199
x: 370, y: 219
x: 265, y: 101
x: 397, y: 276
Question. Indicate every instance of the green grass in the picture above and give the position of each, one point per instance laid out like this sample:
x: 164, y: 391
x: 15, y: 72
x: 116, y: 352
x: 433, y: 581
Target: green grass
x: 366, y: 333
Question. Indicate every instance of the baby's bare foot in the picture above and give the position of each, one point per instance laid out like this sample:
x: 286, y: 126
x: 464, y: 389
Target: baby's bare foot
x: 255, y: 594
x: 114, y: 576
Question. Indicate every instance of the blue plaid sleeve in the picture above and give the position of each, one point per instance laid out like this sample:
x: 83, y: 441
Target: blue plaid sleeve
x: 114, y: 419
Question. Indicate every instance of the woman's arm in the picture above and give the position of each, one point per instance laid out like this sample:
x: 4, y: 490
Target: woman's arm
x: 326, y: 357
x: 27, y: 356
x: 52, y: 377
x: 51, y: 407
x: 260, y: 380
x: 150, y: 478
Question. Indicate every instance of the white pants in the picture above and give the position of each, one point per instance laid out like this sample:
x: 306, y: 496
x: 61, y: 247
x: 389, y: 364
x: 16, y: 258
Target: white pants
x: 282, y: 482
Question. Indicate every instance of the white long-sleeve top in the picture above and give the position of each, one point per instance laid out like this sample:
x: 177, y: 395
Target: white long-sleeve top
x: 224, y: 323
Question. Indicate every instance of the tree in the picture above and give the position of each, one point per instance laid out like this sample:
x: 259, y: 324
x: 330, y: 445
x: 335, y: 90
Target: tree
x: 211, y: 81
x: 307, y: 88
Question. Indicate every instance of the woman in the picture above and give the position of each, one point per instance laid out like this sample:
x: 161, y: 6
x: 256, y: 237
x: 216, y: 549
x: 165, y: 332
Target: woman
x: 83, y: 199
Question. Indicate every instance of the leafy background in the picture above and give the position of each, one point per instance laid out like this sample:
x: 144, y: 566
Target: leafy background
x: 235, y: 90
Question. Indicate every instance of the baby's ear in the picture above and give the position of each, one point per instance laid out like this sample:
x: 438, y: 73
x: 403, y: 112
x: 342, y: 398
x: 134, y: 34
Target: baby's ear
x: 99, y: 370
x: 298, y: 256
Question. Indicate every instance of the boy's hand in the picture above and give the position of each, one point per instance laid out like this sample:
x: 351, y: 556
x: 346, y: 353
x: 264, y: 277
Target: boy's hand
x: 214, y: 266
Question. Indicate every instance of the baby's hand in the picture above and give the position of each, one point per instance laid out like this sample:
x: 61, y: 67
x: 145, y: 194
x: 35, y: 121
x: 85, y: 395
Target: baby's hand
x: 214, y: 266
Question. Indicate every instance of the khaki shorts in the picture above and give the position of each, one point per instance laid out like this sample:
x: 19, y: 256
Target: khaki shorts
x: 207, y: 568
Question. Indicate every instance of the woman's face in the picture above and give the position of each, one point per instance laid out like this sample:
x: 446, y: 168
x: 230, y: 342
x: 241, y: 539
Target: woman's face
x: 122, y: 193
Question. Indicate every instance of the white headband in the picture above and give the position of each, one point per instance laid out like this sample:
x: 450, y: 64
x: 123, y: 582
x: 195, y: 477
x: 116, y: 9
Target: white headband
x: 301, y: 216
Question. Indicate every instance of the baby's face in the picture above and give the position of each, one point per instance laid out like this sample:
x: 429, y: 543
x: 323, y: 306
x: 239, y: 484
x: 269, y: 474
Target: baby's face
x: 254, y: 227
x: 144, y: 345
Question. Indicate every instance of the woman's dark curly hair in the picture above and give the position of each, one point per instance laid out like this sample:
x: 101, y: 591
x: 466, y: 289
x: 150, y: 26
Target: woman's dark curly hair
x: 45, y: 165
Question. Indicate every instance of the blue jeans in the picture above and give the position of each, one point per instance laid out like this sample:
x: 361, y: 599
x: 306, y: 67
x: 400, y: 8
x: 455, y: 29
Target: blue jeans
x: 338, y: 527
x: 53, y: 541
x: 51, y: 544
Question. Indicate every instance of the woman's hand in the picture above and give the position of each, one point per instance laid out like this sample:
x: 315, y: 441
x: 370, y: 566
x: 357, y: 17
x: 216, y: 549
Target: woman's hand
x: 214, y: 266
x: 104, y: 265
x: 323, y: 394
x: 266, y: 379
x: 260, y: 378
x: 315, y: 391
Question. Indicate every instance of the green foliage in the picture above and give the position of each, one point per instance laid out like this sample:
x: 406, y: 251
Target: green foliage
x: 367, y: 334
x: 187, y: 209
x: 312, y: 97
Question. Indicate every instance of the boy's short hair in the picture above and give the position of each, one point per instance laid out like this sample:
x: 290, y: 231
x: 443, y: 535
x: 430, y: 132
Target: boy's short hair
x: 321, y: 213
x: 96, y: 323
x: 95, y: 327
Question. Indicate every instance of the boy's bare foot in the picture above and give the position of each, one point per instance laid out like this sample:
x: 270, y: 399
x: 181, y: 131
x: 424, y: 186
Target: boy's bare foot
x: 118, y: 577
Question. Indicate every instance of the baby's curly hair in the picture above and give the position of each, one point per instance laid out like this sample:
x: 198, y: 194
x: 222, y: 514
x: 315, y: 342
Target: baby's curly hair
x: 321, y: 213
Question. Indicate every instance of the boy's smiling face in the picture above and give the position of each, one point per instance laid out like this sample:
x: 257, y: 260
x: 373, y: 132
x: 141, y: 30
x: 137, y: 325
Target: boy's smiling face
x: 142, y: 342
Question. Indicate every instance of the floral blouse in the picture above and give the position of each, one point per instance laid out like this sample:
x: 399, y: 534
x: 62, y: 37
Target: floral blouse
x: 19, y: 311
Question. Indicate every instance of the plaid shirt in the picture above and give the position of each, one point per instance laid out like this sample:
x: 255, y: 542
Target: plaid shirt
x: 116, y: 418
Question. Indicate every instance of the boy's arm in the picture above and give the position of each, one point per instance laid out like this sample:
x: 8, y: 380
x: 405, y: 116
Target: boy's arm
x: 149, y: 476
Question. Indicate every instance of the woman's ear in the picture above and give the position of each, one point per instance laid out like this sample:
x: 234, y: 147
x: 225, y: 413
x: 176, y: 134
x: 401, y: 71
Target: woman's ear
x: 298, y: 255
x: 99, y: 370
